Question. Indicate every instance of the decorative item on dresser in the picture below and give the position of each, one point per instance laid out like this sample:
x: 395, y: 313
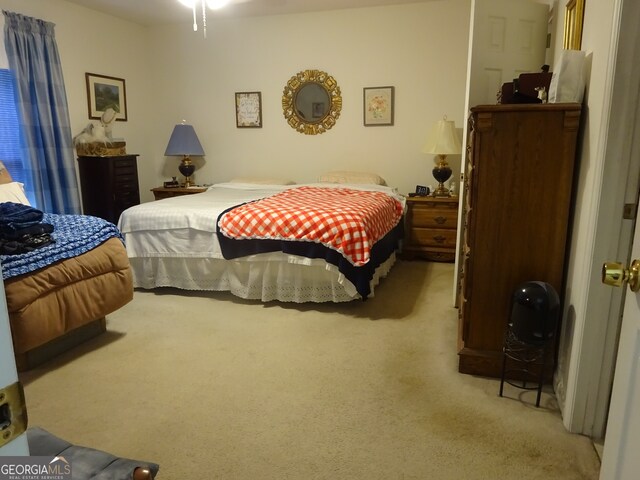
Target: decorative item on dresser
x: 430, y: 225
x: 109, y: 185
x: 184, y: 142
x: 167, y: 192
x: 519, y: 181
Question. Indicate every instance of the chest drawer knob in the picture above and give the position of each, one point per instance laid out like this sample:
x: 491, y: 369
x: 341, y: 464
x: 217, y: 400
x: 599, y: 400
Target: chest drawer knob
x: 440, y: 220
x: 439, y: 238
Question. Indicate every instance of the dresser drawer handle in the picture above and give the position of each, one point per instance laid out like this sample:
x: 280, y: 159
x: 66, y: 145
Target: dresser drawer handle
x: 440, y: 239
x: 440, y: 220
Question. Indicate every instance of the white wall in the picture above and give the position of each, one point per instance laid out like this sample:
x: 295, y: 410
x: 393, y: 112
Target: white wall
x: 89, y: 41
x: 173, y: 73
x: 420, y: 49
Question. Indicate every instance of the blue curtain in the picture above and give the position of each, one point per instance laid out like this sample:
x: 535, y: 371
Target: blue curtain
x: 47, y: 145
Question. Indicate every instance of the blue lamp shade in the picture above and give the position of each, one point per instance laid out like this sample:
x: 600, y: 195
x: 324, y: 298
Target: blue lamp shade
x: 184, y: 141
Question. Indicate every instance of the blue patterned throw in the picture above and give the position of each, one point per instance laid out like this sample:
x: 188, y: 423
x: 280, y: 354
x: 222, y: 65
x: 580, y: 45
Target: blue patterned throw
x: 73, y: 235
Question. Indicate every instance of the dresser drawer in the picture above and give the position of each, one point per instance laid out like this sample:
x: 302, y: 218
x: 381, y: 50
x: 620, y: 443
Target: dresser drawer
x: 126, y: 181
x: 438, y: 217
x: 122, y: 164
x: 433, y: 237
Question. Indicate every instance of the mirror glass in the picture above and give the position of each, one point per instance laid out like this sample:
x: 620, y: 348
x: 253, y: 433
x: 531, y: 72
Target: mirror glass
x: 311, y: 102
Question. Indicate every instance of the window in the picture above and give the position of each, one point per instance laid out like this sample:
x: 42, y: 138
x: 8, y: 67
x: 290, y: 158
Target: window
x: 9, y: 128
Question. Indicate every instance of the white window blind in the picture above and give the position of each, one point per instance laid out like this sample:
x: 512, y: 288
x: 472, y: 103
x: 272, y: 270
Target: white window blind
x: 9, y: 128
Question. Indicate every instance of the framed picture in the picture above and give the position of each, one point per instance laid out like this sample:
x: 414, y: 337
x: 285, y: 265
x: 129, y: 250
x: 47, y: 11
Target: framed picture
x: 573, y: 18
x: 378, y: 106
x: 248, y: 110
x: 104, y: 92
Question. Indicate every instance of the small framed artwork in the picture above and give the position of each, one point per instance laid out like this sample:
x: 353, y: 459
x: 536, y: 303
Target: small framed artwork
x: 248, y: 110
x: 378, y: 106
x: 105, y: 92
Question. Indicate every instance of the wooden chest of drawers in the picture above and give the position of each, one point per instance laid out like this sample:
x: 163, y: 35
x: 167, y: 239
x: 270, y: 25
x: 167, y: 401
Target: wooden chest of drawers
x: 517, y: 213
x: 109, y: 185
x: 430, y: 228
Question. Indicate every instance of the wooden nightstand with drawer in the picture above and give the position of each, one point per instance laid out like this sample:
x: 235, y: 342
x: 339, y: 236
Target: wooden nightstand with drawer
x: 430, y: 228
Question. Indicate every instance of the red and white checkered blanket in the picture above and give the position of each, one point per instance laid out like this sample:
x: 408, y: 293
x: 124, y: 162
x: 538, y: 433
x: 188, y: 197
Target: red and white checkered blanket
x: 347, y: 220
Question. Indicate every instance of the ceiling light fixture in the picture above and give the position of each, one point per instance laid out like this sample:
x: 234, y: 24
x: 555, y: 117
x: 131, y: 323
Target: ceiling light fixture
x: 212, y: 4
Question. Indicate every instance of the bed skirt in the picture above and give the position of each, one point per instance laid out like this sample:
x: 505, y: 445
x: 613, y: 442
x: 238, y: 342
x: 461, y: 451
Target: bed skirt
x: 265, y: 277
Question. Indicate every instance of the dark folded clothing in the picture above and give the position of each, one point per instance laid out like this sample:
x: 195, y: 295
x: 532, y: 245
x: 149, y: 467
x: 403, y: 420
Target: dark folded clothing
x: 14, y: 216
x: 37, y: 229
x: 25, y: 244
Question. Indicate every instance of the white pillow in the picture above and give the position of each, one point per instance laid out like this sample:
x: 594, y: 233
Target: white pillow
x: 13, y: 192
x: 343, y: 176
x: 263, y: 180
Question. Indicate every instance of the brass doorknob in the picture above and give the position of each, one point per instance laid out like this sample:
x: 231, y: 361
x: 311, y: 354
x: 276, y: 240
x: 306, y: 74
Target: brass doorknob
x: 614, y: 274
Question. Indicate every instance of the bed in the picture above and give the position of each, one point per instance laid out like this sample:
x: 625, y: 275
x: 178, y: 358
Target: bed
x: 58, y: 294
x: 180, y: 242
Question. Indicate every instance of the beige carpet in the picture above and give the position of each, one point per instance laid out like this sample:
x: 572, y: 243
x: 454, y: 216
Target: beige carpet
x: 213, y: 387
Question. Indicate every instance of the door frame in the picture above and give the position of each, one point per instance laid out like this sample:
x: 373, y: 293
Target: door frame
x: 8, y: 373
x: 595, y: 346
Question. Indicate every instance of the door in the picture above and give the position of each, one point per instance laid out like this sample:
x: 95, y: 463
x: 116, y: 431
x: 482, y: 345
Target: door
x: 506, y: 38
x: 13, y: 415
x: 509, y: 38
x: 621, y: 460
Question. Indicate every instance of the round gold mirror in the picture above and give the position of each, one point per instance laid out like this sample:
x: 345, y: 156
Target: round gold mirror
x: 311, y: 102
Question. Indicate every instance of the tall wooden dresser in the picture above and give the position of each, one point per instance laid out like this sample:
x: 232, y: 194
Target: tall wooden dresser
x: 517, y: 207
x: 109, y: 185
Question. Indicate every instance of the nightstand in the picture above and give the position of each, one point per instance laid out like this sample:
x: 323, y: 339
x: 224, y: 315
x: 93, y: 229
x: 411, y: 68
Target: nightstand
x: 430, y: 228
x: 167, y: 192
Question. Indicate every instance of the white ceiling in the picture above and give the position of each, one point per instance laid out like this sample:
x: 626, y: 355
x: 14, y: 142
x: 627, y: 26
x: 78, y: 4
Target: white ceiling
x: 158, y: 12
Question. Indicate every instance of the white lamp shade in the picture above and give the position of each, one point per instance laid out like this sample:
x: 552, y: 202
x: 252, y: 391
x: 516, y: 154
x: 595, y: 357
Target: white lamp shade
x: 184, y: 141
x: 443, y: 139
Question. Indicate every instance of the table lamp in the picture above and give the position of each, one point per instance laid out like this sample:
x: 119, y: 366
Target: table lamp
x: 184, y: 141
x: 442, y: 141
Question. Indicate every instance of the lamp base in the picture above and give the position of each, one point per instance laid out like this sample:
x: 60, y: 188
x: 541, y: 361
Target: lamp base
x: 187, y: 168
x: 442, y: 173
x: 441, y: 191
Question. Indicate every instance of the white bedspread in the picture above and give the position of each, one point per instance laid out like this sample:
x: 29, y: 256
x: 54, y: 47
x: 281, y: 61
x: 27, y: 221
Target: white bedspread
x: 183, y: 226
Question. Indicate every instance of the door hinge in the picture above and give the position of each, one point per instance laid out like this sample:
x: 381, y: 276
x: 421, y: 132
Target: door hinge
x: 629, y: 211
x: 13, y: 412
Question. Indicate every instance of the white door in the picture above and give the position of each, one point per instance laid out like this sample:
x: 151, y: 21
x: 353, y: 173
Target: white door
x: 8, y: 377
x: 506, y: 38
x: 621, y: 460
